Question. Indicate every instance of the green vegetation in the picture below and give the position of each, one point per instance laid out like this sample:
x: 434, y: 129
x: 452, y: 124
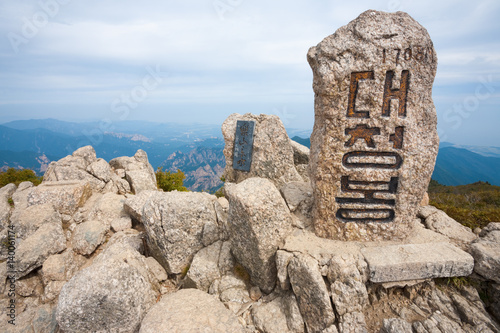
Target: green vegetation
x: 170, y: 181
x: 241, y: 272
x: 18, y: 176
x: 11, y: 202
x: 220, y: 192
x: 473, y: 205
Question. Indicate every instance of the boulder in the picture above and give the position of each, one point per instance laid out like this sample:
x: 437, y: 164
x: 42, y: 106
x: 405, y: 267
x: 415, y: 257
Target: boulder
x: 299, y: 197
x: 134, y: 204
x: 108, y: 208
x: 272, y: 156
x: 416, y: 261
x: 121, y: 223
x: 255, y: 242
x: 138, y: 172
x: 109, y: 296
x: 270, y: 317
x: 27, y: 221
x: 74, y: 168
x: 204, y: 268
x: 65, y: 196
x: 20, y: 197
x: 174, y: 223
x: 61, y: 267
x: 370, y: 161
x: 88, y: 236
x: 396, y: 325
x: 34, y: 250
x: 190, y: 311
x: 121, y: 281
x: 486, y: 253
x: 311, y: 292
x: 445, y: 225
x: 100, y: 169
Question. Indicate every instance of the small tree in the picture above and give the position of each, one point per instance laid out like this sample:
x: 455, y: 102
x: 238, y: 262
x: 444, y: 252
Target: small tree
x: 170, y: 181
x: 18, y: 176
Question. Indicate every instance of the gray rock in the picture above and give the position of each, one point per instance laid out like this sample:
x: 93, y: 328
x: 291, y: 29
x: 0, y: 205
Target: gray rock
x: 108, y: 208
x: 138, y: 172
x: 222, y: 210
x: 108, y: 296
x: 395, y: 325
x: 6, y: 193
x: 272, y: 156
x: 20, y: 197
x: 27, y: 221
x: 300, y: 153
x: 65, y: 196
x: 190, y: 311
x: 134, y: 204
x: 359, y: 74
x: 353, y: 322
x: 210, y: 233
x: 311, y: 292
x: 52, y: 290
x: 426, y: 211
x: 303, y: 170
x: 61, y: 267
x: 204, y: 268
x: 174, y: 224
x: 74, y: 168
x: 299, y: 197
x: 270, y: 317
x: 282, y: 260
x: 158, y: 271
x: 349, y: 297
x: 254, y: 243
x: 140, y: 180
x: 437, y: 323
x: 34, y: 250
x: 486, y: 259
x: 226, y: 260
x: 44, y: 320
x: 416, y: 261
x: 293, y: 317
x: 30, y: 285
x: 445, y: 225
x: 493, y: 293
x: 121, y: 223
x: 100, y: 169
x: 88, y: 236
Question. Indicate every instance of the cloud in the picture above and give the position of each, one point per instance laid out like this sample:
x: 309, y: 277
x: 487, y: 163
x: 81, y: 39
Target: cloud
x: 252, y: 53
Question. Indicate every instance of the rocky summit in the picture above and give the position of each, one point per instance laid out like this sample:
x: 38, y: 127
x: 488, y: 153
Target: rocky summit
x: 98, y: 248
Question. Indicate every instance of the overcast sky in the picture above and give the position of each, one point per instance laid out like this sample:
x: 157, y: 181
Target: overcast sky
x: 201, y: 60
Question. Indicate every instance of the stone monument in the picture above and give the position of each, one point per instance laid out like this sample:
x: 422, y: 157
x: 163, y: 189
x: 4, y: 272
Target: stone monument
x: 374, y: 142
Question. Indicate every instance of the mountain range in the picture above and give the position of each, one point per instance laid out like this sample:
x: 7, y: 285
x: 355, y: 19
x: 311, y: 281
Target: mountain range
x: 195, y: 149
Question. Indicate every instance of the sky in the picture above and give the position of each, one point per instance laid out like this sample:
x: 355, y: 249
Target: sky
x: 199, y: 61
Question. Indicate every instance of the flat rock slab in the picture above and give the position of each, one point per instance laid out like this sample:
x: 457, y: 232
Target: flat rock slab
x: 66, y: 196
x: 374, y: 142
x: 416, y: 261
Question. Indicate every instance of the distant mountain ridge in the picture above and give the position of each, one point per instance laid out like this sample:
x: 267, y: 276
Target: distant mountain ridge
x: 195, y: 149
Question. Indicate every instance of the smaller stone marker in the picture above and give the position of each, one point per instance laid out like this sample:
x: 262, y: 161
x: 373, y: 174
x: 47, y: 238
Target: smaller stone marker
x: 374, y: 142
x: 243, y: 145
x: 258, y: 146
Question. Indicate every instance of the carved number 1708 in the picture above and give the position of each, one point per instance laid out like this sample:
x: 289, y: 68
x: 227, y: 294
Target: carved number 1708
x: 419, y: 53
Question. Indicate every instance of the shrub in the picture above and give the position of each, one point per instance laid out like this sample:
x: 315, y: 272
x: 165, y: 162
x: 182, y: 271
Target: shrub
x: 473, y: 205
x: 170, y: 181
x: 17, y: 176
